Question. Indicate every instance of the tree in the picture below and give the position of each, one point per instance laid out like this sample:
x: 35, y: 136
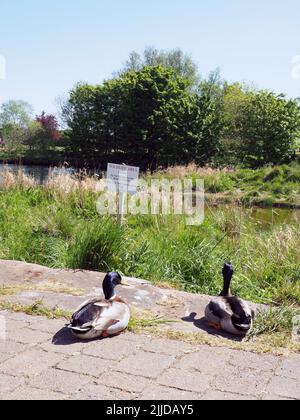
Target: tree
x: 207, y: 129
x: 234, y: 98
x: 150, y: 117
x: 269, y: 128
x: 15, y: 118
x: 50, y: 132
x: 33, y: 135
x: 79, y: 115
x: 153, y: 124
x: 13, y: 138
x: 177, y: 60
x: 15, y: 113
x: 138, y: 118
x: 207, y: 121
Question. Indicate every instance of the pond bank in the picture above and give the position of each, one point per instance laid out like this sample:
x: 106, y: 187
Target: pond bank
x: 235, y: 198
x: 270, y: 186
x: 59, y: 226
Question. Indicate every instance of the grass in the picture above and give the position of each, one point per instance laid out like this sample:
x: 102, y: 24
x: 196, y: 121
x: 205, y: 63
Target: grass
x: 275, y: 321
x: 50, y: 287
x: 267, y: 187
x: 275, y: 343
x: 36, y: 309
x: 60, y: 228
x: 141, y: 320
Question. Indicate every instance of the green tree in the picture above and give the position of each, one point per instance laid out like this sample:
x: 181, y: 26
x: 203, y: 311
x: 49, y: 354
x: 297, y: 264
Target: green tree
x: 234, y: 98
x: 269, y: 128
x: 140, y: 118
x: 15, y: 117
x: 15, y: 113
x: 206, y: 127
x: 153, y: 125
x: 207, y: 122
x: 33, y: 136
x: 13, y: 138
x: 182, y: 64
x: 89, y: 114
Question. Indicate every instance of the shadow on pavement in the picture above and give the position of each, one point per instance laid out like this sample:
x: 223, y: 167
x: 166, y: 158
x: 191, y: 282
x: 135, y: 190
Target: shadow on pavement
x: 64, y: 337
x: 201, y: 324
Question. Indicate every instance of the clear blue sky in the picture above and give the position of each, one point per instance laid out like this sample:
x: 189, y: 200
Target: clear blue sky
x: 50, y: 45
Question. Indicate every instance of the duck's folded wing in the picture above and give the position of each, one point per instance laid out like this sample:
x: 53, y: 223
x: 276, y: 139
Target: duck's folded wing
x: 88, y: 313
x: 104, y: 323
x: 87, y: 303
x: 110, y: 316
x: 219, y: 309
x: 240, y: 308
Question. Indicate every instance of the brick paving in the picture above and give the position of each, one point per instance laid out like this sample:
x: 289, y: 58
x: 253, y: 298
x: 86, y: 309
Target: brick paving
x: 39, y: 360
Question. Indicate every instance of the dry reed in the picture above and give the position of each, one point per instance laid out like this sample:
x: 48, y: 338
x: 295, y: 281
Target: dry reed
x: 17, y: 179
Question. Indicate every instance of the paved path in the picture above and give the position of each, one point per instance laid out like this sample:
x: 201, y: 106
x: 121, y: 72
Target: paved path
x: 40, y: 360
x: 68, y: 289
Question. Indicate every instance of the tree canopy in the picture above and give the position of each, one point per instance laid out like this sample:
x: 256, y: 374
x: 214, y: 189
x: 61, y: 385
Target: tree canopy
x: 151, y: 117
x: 182, y: 64
x: 157, y: 112
x: 269, y: 128
x: 19, y: 129
x: 15, y: 113
x: 140, y: 117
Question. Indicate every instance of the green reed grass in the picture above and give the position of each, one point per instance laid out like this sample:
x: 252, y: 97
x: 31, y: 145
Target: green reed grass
x: 39, y: 226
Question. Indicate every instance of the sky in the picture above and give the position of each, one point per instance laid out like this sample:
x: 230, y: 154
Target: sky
x: 48, y: 46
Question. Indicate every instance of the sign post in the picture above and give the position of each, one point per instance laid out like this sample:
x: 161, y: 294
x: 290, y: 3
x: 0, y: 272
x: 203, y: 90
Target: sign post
x: 123, y: 180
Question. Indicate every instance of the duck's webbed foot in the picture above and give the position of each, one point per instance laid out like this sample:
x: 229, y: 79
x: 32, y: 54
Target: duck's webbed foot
x: 214, y: 326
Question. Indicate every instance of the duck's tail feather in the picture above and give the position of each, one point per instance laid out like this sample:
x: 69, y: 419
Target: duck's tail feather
x: 78, y: 329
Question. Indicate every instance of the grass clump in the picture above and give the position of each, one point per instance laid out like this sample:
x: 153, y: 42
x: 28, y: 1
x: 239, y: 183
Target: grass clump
x: 36, y: 309
x: 267, y: 187
x: 95, y: 245
x: 275, y: 320
x: 50, y: 287
x: 140, y: 320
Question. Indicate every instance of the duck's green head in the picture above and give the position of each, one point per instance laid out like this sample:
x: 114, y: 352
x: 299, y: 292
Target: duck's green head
x: 110, y: 282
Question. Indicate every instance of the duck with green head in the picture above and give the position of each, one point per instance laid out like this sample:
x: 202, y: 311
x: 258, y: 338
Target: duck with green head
x: 102, y: 318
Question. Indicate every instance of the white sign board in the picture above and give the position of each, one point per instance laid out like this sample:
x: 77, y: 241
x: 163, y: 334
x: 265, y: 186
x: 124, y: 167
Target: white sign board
x: 122, y: 179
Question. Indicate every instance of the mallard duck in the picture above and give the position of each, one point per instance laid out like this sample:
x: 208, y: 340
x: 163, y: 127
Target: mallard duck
x: 102, y: 318
x: 228, y: 313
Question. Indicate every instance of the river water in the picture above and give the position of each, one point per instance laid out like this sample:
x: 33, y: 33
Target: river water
x: 41, y: 173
